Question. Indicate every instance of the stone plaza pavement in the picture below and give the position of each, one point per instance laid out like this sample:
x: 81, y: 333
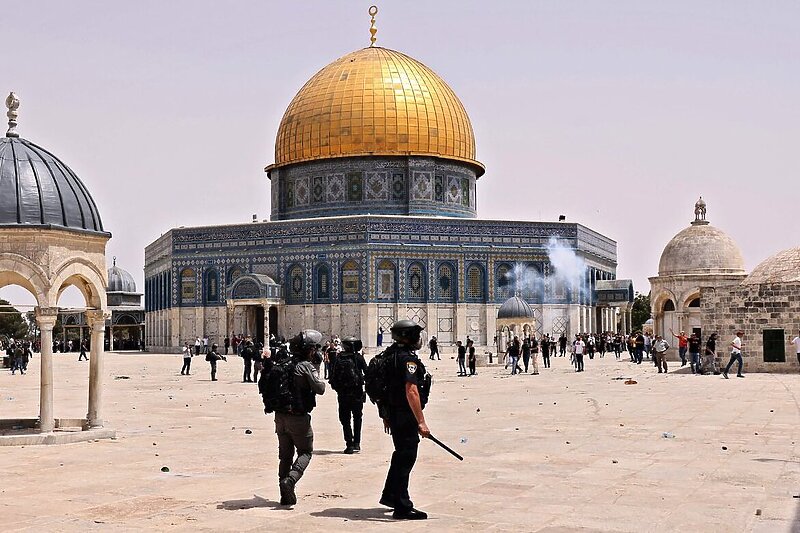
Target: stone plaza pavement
x: 558, y: 452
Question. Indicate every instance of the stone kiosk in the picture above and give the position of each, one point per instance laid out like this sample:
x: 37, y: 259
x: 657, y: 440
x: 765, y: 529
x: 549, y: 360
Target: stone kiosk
x: 51, y: 237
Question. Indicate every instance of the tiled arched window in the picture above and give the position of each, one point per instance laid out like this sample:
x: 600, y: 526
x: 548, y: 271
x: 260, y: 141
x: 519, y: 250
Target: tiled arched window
x: 386, y: 280
x: 297, y: 283
x: 323, y: 283
x: 188, y: 286
x: 212, y: 285
x: 446, y: 282
x: 415, y: 284
x: 504, y: 281
x: 531, y: 283
x: 475, y: 283
x: 350, y: 278
x: 233, y: 273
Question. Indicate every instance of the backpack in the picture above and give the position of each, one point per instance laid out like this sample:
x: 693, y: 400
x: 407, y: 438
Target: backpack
x: 346, y: 378
x: 378, y: 377
x: 276, y: 386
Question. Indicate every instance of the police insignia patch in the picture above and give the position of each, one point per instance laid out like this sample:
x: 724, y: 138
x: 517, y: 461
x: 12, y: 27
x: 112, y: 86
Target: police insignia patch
x: 412, y: 367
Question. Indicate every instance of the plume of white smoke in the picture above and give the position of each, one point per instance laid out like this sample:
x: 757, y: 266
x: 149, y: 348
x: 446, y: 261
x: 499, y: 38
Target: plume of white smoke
x: 567, y: 266
x: 528, y: 279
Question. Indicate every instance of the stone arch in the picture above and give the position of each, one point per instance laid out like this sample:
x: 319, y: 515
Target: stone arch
x: 688, y: 296
x: 84, y: 275
x: 661, y: 297
x: 18, y: 270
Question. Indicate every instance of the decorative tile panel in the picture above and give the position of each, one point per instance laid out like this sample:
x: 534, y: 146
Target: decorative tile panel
x: 318, y: 190
x: 377, y: 186
x: 302, y: 192
x: 336, y: 188
x: 421, y: 186
x: 453, y: 190
x: 355, y: 187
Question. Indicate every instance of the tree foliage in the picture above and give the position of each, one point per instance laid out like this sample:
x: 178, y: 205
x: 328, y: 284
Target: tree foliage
x: 12, y: 323
x: 641, y: 310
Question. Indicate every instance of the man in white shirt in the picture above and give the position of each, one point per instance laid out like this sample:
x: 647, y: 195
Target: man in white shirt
x: 796, y: 342
x: 736, y: 355
x: 660, y: 353
x: 579, y: 348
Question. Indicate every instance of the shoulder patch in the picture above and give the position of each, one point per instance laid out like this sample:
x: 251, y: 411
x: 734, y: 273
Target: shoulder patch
x: 411, y: 367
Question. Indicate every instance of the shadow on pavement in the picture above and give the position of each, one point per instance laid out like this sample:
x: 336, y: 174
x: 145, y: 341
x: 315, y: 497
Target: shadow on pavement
x: 328, y: 452
x: 252, y: 503
x: 375, y: 514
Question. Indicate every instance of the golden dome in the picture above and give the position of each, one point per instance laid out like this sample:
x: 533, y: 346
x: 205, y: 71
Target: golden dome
x: 375, y: 101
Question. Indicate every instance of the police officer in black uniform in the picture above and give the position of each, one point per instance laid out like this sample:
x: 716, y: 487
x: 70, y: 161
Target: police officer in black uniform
x: 294, y: 428
x: 403, y: 418
x: 349, y: 387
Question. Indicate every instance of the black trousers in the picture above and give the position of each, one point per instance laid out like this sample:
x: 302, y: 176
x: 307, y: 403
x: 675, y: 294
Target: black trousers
x: 546, y: 360
x: 248, y: 367
x: 351, y: 407
x: 406, y: 442
x: 525, y: 360
x: 579, y: 362
x: 187, y: 362
x: 213, y: 370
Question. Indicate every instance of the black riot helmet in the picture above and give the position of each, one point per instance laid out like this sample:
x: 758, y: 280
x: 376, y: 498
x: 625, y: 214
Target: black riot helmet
x: 351, y: 344
x: 308, y: 339
x: 407, y: 333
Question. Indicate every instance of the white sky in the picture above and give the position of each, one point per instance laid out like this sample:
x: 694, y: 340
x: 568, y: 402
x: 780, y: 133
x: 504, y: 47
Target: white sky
x: 616, y: 114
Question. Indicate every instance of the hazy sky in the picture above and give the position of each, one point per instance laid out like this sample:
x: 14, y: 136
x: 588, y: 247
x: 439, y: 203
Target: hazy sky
x: 616, y: 114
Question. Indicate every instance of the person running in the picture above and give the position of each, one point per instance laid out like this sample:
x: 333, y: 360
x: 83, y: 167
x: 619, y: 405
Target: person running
x: 796, y: 342
x: 736, y: 355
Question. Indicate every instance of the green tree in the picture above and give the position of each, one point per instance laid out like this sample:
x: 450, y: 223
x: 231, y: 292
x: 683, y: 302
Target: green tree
x: 641, y: 310
x: 12, y: 323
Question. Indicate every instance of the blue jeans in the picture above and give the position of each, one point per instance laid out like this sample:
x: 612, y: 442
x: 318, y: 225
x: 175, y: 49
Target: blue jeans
x: 735, y: 357
x: 514, y: 363
x: 695, y: 360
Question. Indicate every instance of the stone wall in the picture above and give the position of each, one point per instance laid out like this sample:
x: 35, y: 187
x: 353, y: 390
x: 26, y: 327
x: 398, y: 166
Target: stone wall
x: 753, y: 308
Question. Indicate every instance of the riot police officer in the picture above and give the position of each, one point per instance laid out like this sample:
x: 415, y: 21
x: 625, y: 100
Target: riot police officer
x: 293, y: 427
x: 403, y: 419
x: 347, y: 379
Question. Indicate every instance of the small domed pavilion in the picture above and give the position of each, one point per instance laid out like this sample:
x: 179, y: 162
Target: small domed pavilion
x: 698, y: 256
x: 51, y: 237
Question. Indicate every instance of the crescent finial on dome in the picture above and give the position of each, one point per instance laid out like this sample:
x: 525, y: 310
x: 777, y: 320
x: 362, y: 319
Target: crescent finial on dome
x: 373, y: 10
x: 12, y: 103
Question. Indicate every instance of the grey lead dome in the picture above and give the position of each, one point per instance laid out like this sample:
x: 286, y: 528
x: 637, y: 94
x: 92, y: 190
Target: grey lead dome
x: 515, y: 307
x: 120, y: 280
x: 39, y: 190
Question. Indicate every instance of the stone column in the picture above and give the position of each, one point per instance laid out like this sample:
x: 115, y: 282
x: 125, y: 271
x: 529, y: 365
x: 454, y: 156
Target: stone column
x: 97, y: 324
x: 46, y: 320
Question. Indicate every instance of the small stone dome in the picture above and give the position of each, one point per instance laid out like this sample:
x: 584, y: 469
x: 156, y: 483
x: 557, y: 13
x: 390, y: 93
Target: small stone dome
x: 783, y: 267
x: 701, y: 249
x: 37, y: 189
x: 120, y: 280
x: 515, y: 308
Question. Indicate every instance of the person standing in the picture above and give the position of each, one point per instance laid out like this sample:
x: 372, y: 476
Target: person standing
x: 660, y: 348
x: 514, y: 348
x: 212, y: 357
x: 197, y: 345
x: 578, y: 348
x: 227, y: 344
x: 247, y: 354
x: 471, y: 357
x: 640, y: 344
x: 82, y: 356
x: 187, y: 358
x: 434, y: 346
x: 404, y: 419
x: 205, y: 343
x: 683, y: 345
x: 526, y: 353
x: 796, y: 342
x: 562, y: 345
x: 648, y: 345
x: 380, y: 336
x: 462, y: 357
x: 347, y: 379
x: 710, y: 354
x: 736, y: 355
x: 693, y: 346
x: 258, y: 359
x: 295, y: 434
x: 546, y: 351
x: 535, y: 355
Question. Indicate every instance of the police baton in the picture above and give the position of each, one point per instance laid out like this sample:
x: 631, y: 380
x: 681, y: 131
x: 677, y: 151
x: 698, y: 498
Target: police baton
x: 445, y: 447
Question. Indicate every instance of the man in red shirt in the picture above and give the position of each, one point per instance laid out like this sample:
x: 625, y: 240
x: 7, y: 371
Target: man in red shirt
x: 683, y: 345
